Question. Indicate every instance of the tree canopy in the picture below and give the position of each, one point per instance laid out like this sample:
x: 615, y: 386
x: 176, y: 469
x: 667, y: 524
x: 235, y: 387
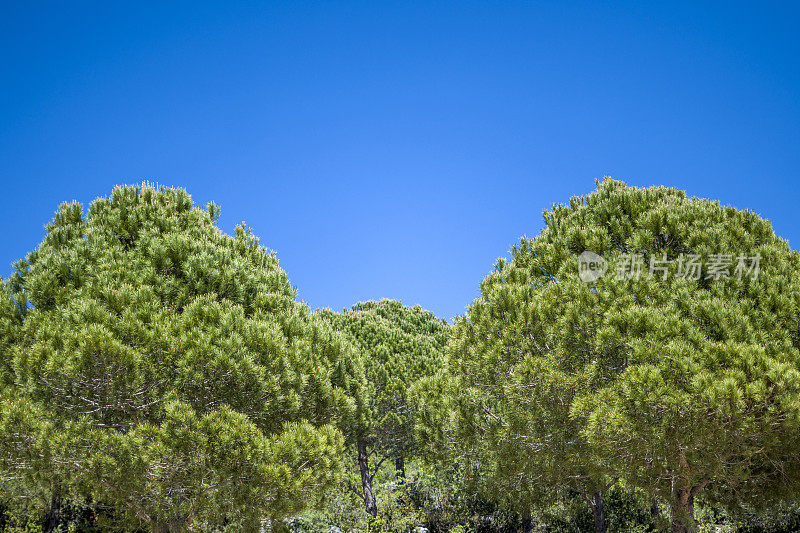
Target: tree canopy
x: 642, y: 350
x: 164, y: 367
x: 398, y: 346
x: 682, y: 385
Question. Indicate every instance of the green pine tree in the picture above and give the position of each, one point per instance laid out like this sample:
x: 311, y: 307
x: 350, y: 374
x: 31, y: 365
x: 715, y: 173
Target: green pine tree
x: 154, y: 364
x: 687, y: 387
x: 398, y: 346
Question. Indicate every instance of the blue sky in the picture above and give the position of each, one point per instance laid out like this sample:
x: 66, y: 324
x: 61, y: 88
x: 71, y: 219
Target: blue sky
x: 395, y: 149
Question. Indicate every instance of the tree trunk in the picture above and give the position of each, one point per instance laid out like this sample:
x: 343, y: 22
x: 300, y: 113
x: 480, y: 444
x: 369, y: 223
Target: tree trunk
x: 366, y: 482
x: 400, y: 467
x: 654, y: 511
x: 54, y: 515
x: 527, y: 522
x: 683, y: 511
x: 655, y: 514
x: 599, y: 512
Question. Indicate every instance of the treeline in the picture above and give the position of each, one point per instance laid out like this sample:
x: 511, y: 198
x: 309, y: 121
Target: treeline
x: 160, y: 375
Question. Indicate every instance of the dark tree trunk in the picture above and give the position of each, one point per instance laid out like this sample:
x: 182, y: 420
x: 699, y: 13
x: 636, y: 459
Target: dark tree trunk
x: 54, y: 514
x: 683, y: 511
x: 599, y: 512
x: 366, y: 482
x: 527, y: 522
x: 655, y: 514
x: 400, y: 467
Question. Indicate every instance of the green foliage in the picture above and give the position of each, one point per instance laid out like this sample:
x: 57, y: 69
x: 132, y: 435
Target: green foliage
x: 676, y: 385
x: 434, y: 500
x: 164, y: 367
x: 398, y: 345
x: 626, y: 511
x: 158, y: 373
x: 442, y: 501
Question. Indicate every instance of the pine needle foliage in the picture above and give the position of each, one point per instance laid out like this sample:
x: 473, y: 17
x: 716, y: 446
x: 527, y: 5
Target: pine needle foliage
x: 157, y: 365
x: 685, y: 388
x: 398, y: 346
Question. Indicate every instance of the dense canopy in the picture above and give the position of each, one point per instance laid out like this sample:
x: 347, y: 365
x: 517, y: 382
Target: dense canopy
x: 398, y: 346
x: 638, y: 358
x: 679, y: 384
x: 166, y: 366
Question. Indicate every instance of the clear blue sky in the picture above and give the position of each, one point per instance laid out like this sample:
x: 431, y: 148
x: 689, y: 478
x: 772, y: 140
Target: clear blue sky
x: 395, y: 149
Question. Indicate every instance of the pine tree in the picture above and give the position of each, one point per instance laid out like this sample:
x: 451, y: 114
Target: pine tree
x: 165, y: 368
x: 686, y: 386
x: 398, y: 346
